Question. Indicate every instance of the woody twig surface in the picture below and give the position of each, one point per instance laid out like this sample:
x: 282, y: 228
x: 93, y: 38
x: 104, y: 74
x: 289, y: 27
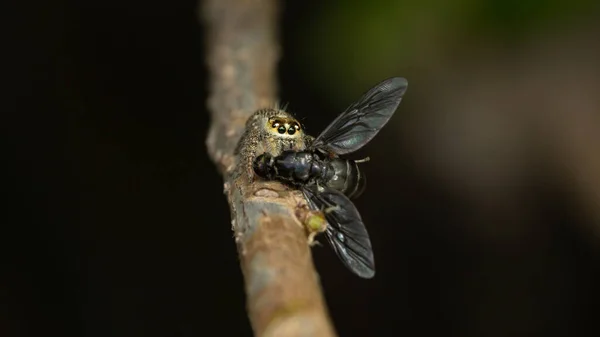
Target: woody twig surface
x: 283, y: 292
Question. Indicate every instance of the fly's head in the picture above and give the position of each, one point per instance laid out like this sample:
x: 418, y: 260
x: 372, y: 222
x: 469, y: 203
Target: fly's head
x: 263, y: 166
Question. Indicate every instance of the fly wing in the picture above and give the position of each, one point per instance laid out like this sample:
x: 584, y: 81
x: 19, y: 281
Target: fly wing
x: 345, y: 230
x: 356, y: 126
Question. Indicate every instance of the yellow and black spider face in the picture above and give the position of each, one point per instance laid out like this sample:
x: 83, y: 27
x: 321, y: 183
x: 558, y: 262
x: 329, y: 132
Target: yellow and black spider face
x: 284, y: 127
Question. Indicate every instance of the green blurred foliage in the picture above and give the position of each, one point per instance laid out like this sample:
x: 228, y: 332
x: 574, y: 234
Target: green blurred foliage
x: 514, y: 19
x: 350, y: 45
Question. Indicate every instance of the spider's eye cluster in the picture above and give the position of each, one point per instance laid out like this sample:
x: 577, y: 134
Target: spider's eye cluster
x: 282, y: 128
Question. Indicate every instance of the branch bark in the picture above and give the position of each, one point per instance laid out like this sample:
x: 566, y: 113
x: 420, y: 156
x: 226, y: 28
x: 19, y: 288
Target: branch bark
x: 282, y: 287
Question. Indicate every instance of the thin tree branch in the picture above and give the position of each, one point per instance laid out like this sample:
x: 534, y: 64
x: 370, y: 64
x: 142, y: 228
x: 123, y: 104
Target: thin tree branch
x: 283, y: 292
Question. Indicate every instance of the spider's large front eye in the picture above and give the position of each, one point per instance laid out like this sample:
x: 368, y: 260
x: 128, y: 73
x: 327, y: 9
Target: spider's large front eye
x: 281, y: 129
x: 291, y: 130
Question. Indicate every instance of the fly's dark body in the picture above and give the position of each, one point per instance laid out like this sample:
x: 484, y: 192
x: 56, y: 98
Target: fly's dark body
x: 309, y: 167
x: 328, y: 181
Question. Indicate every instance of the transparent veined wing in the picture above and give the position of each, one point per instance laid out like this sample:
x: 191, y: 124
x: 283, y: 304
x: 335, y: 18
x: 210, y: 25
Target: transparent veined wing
x: 345, y: 231
x: 358, y: 124
x: 362, y: 120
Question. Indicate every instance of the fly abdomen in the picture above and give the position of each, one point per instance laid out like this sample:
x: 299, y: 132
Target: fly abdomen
x: 346, y: 177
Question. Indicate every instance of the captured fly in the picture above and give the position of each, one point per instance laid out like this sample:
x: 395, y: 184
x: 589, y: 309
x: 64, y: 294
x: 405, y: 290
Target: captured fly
x: 328, y: 181
x: 319, y: 162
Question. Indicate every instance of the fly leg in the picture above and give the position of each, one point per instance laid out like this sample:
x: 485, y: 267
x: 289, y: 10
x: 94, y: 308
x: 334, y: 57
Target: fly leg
x: 331, y: 209
x: 364, y: 160
x: 316, y: 223
x: 312, y: 219
x: 324, y: 210
x: 311, y: 239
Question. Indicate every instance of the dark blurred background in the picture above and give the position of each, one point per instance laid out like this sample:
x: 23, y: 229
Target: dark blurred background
x: 483, y: 202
